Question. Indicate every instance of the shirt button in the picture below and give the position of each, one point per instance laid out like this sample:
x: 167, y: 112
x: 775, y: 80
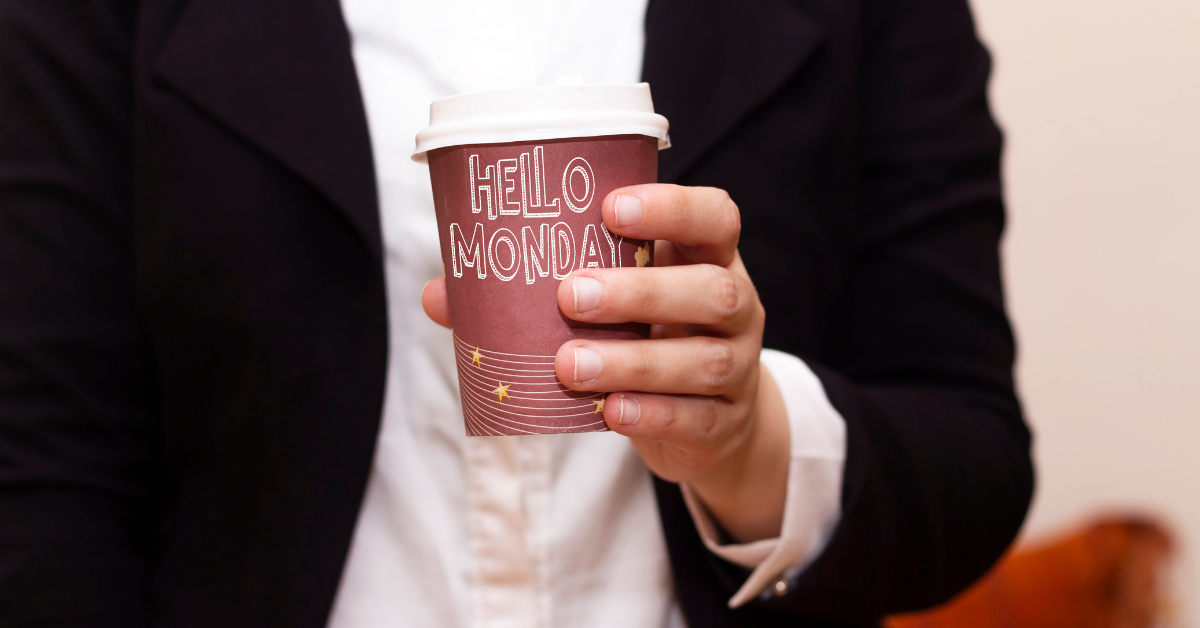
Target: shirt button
x: 780, y: 588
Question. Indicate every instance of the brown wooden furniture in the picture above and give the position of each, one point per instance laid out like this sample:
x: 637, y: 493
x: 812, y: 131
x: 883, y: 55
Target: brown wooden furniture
x: 1107, y: 575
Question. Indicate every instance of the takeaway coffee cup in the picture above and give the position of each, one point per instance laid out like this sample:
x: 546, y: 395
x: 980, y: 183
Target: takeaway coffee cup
x: 518, y: 179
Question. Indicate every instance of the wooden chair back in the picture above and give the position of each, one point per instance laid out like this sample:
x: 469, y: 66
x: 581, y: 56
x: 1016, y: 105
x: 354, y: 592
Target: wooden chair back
x: 1107, y: 575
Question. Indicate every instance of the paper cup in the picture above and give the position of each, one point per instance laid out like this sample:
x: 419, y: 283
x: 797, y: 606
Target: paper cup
x: 515, y: 218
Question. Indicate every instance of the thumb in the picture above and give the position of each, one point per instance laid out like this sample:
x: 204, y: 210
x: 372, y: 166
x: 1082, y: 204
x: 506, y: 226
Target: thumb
x: 433, y: 299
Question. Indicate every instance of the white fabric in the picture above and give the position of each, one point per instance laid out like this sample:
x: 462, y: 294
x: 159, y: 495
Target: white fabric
x: 510, y: 531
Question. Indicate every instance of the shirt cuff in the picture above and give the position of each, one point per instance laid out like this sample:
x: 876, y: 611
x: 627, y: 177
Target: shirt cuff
x: 814, y: 489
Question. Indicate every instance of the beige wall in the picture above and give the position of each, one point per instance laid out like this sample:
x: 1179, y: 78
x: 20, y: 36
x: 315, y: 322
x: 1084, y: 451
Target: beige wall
x: 1100, y: 100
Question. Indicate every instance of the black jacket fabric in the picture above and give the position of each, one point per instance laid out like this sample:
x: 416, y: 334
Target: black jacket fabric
x: 193, y: 334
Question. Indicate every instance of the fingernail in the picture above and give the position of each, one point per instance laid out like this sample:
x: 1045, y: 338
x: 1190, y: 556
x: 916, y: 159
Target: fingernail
x: 587, y: 293
x: 627, y: 210
x: 587, y: 364
x: 631, y: 411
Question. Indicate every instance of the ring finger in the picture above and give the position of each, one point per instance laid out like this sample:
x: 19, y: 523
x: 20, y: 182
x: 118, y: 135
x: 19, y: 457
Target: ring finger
x: 683, y: 421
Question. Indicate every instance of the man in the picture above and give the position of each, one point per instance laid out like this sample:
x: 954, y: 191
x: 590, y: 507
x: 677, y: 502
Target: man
x: 217, y: 406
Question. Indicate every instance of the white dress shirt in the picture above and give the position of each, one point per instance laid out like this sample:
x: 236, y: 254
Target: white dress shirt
x: 521, y: 531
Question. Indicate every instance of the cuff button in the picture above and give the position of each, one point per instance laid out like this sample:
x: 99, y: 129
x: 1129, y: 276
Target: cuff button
x: 780, y: 588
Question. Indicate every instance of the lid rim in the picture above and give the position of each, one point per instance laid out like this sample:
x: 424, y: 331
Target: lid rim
x: 421, y: 156
x: 506, y: 90
x: 541, y: 113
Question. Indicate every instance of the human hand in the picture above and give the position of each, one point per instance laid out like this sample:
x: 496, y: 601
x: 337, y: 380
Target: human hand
x: 692, y: 398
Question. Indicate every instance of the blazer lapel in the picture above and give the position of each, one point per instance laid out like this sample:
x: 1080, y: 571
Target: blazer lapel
x: 280, y: 74
x: 711, y: 62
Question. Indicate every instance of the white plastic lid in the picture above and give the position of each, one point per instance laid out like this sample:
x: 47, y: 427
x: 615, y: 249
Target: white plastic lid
x: 544, y: 112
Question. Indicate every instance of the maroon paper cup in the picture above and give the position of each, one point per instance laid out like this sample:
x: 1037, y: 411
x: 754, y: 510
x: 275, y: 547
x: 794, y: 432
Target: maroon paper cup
x: 515, y: 218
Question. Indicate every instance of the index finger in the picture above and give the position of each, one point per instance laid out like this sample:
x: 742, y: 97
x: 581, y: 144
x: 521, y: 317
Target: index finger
x: 704, y: 223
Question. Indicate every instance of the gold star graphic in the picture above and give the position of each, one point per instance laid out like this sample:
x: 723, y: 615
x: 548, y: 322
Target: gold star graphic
x: 599, y: 406
x: 642, y: 257
x: 502, y: 391
x: 476, y: 356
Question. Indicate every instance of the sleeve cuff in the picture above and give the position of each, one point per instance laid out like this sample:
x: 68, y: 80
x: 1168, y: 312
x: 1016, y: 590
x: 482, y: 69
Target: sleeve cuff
x: 813, y: 506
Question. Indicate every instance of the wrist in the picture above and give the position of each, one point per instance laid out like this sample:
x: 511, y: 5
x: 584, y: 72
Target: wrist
x: 747, y: 492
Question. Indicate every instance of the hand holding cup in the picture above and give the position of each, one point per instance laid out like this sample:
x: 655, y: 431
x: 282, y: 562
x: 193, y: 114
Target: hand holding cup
x: 692, y: 398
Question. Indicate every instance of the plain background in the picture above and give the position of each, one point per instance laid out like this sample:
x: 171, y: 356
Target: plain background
x: 1100, y: 102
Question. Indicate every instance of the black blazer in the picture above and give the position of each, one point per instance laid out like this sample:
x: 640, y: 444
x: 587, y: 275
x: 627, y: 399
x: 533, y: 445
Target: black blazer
x: 193, y: 333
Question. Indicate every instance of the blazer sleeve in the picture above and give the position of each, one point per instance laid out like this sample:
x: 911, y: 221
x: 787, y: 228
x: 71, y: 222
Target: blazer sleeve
x: 76, y: 396
x: 938, y: 474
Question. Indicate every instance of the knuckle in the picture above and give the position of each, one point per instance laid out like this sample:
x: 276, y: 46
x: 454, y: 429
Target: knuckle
x: 726, y: 295
x: 642, y: 368
x: 720, y: 364
x: 708, y: 419
x: 671, y: 420
x: 661, y: 295
x: 680, y: 202
x: 643, y: 294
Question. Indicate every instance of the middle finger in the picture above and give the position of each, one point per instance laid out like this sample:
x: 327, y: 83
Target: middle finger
x: 700, y: 294
x: 699, y: 365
